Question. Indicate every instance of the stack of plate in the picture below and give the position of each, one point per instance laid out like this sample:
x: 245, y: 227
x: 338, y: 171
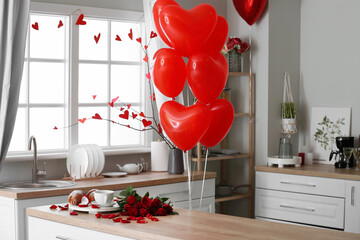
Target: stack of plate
x: 85, y: 161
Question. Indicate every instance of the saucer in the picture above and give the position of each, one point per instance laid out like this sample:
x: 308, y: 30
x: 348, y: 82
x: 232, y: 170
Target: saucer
x: 103, y: 205
x: 89, y: 209
x: 114, y: 174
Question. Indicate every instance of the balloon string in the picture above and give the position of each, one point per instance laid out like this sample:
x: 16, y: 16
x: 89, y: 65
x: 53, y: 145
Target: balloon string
x: 250, y: 42
x: 188, y: 166
x: 203, y: 181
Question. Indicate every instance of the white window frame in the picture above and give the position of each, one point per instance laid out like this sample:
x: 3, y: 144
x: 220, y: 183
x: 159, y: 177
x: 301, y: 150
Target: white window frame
x: 71, y: 102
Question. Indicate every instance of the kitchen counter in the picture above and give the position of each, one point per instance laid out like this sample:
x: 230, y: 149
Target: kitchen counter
x: 138, y: 180
x: 315, y: 170
x: 192, y: 225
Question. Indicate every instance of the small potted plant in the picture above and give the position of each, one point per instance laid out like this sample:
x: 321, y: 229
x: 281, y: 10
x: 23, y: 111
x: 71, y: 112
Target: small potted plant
x: 288, y: 112
x: 236, y: 50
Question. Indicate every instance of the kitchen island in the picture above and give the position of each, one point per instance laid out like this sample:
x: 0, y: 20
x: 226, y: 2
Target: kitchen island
x: 55, y: 224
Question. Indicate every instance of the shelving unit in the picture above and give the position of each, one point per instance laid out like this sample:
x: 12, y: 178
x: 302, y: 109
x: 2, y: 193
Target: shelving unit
x: 244, y: 156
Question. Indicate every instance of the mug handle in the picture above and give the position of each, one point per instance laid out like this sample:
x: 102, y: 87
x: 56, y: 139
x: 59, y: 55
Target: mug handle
x: 140, y: 167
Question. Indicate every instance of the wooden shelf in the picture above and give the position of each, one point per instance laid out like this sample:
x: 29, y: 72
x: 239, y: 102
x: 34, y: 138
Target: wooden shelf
x: 233, y: 197
x: 242, y: 114
x: 225, y: 157
x: 236, y: 74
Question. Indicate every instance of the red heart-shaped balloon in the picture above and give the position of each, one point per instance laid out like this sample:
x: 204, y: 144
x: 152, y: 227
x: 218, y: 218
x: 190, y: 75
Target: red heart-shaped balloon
x: 158, y: 7
x: 188, y: 30
x: 249, y: 10
x: 222, y: 115
x: 184, y: 125
x: 207, y: 76
x: 169, y: 72
x: 217, y: 39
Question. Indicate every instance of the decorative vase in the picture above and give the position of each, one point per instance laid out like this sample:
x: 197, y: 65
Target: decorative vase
x: 175, y: 162
x: 236, y: 61
x: 288, y: 125
x: 159, y: 156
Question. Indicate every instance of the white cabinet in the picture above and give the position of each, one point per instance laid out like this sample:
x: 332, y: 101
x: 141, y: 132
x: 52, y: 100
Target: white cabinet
x: 7, y: 219
x: 40, y: 229
x: 352, y: 206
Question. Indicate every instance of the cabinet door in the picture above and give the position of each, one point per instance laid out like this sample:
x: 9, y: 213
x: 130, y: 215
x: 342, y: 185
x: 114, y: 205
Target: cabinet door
x: 7, y: 220
x: 207, y: 205
x: 352, y: 207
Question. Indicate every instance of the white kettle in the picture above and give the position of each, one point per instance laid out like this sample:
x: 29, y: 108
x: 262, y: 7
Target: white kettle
x: 131, y: 168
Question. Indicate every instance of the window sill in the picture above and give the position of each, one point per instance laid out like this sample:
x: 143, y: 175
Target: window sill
x: 63, y: 154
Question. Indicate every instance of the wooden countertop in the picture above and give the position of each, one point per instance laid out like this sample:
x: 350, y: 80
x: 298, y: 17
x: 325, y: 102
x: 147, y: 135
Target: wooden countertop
x: 315, y: 170
x: 138, y: 180
x: 193, y: 225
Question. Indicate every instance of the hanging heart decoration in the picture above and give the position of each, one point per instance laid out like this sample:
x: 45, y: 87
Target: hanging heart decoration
x: 96, y: 116
x: 153, y: 34
x: 130, y: 34
x: 142, y: 114
x: 146, y: 123
x: 82, y: 120
x: 249, y: 10
x: 35, y: 26
x: 125, y: 115
x: 113, y: 101
x: 138, y: 40
x: 117, y: 38
x: 60, y: 24
x: 80, y: 20
x: 55, y: 128
x: 97, y: 38
x: 94, y: 96
x: 134, y: 115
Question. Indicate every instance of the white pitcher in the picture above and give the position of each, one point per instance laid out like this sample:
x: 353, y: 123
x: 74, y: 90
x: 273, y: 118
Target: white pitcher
x: 131, y: 168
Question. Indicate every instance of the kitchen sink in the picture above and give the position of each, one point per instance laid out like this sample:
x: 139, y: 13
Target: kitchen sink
x: 39, y: 184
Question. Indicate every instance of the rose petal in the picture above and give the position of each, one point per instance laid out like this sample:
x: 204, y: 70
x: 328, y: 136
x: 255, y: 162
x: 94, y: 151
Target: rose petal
x: 117, y: 219
x: 98, y: 215
x: 94, y: 206
x: 53, y: 207
x: 125, y: 221
x: 73, y: 213
x: 141, y: 221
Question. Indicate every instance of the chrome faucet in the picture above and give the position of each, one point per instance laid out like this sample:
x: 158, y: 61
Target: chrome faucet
x: 36, y: 173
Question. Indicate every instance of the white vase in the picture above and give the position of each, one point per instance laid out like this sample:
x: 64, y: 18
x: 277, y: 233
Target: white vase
x: 159, y: 156
x: 288, y: 125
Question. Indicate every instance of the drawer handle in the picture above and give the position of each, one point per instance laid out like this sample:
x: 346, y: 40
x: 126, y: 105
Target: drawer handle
x: 299, y: 183
x: 299, y: 208
x: 352, y: 195
x: 171, y: 193
x: 62, y: 238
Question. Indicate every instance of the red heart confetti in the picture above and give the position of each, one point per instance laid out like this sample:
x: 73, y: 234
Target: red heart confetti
x: 142, y: 114
x: 83, y: 205
x: 134, y: 115
x: 117, y: 38
x: 154, y: 99
x: 148, y: 76
x: 146, y: 123
x: 97, y: 38
x: 82, y: 120
x: 160, y: 128
x: 117, y: 219
x: 129, y: 106
x: 125, y: 115
x: 130, y: 34
x: 35, y: 26
x: 94, y: 206
x: 128, y: 126
x: 145, y: 58
x: 98, y: 215
x: 73, y: 213
x: 53, y: 207
x: 146, y: 47
x: 113, y: 101
x: 96, y: 116
x: 94, y: 96
x: 121, y: 108
x: 80, y: 20
x: 125, y: 221
x: 60, y: 24
x: 139, y: 39
x: 153, y: 34
x: 55, y: 128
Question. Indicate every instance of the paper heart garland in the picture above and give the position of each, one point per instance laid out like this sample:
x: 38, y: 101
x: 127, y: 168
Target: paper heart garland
x: 222, y: 117
x: 60, y: 24
x: 113, y: 101
x: 96, y: 116
x: 130, y: 34
x: 142, y: 114
x: 82, y: 120
x: 80, y: 20
x: 125, y: 115
x: 94, y: 96
x: 133, y: 115
x: 158, y: 7
x: 138, y: 40
x: 97, y: 38
x: 188, y: 30
x: 153, y: 34
x: 169, y: 72
x: 117, y: 38
x: 55, y: 128
x: 146, y: 123
x: 184, y: 125
x: 249, y: 10
x: 35, y: 26
x: 207, y: 76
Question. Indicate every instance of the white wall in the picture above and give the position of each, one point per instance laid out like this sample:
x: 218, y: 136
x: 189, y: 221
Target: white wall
x: 330, y: 59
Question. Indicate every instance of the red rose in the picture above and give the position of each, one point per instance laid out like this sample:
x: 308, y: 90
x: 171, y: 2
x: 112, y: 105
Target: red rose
x: 167, y: 208
x: 155, y: 203
x: 161, y: 212
x: 244, y: 47
x: 143, y: 212
x: 131, y: 199
x: 232, y: 42
x: 137, y: 205
x: 133, y: 212
x: 146, y: 202
x: 152, y: 211
x: 127, y: 207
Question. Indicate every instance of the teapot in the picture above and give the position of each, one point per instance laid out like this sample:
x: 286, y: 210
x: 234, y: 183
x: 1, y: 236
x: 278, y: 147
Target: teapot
x: 131, y: 168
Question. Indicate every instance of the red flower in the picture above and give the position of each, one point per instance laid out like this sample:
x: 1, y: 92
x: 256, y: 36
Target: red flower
x: 131, y: 199
x: 133, y: 212
x: 137, y: 205
x: 127, y: 207
x: 161, y: 212
x: 167, y: 208
x: 156, y: 203
x: 232, y: 42
x: 244, y: 47
x: 143, y: 212
x: 146, y: 202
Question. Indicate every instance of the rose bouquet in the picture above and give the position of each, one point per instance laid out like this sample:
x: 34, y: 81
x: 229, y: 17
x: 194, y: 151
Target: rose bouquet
x: 235, y: 44
x: 132, y: 204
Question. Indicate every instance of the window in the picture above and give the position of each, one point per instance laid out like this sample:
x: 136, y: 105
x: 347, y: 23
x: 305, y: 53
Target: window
x: 68, y: 75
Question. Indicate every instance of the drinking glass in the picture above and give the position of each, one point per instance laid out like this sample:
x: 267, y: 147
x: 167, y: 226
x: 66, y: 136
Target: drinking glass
x: 347, y: 153
x: 356, y: 156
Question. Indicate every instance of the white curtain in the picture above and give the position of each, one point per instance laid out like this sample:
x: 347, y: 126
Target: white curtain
x: 14, y: 16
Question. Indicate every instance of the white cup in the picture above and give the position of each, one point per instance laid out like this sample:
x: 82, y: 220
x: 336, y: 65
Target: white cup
x: 104, y: 197
x: 309, y: 159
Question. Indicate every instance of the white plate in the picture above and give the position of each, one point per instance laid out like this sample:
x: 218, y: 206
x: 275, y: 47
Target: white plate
x: 101, y: 159
x: 114, y: 174
x: 96, y: 161
x: 91, y: 210
x: 77, y: 157
x: 90, y: 160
